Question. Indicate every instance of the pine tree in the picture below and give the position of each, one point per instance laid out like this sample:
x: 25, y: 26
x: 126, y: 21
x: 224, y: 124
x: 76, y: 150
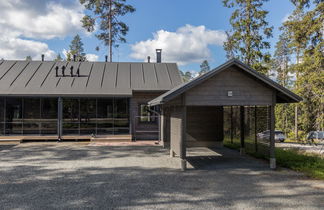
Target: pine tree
x: 305, y: 30
x: 187, y: 76
x: 28, y: 58
x: 76, y: 49
x: 112, y: 30
x: 204, y: 67
x: 246, y: 40
x: 58, y: 57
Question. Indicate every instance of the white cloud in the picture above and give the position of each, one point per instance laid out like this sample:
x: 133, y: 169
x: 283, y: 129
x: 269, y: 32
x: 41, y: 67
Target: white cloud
x: 16, y: 48
x: 41, y: 19
x: 188, y: 44
x: 24, y: 24
x: 92, y: 57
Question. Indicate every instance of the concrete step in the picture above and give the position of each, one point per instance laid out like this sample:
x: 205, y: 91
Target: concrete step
x: 113, y: 138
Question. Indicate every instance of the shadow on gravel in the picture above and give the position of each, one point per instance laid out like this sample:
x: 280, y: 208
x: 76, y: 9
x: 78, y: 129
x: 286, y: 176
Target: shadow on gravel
x: 32, y: 183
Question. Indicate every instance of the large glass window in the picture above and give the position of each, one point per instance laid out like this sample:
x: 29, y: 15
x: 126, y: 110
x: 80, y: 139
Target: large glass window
x: 32, y: 116
x: 105, y: 120
x: 146, y: 115
x: 2, y: 115
x: 49, y: 114
x: 88, y: 114
x: 14, y: 116
x: 121, y: 116
x: 84, y: 116
x: 71, y: 116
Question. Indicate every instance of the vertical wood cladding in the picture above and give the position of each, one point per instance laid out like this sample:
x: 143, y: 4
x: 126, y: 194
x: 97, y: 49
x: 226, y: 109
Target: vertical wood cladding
x: 214, y: 91
x: 142, y: 128
x: 205, y: 123
x: 176, y: 129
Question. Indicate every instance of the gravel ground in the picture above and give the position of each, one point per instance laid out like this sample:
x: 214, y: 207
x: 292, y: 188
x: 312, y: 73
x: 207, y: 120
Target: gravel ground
x: 81, y: 176
x: 316, y: 149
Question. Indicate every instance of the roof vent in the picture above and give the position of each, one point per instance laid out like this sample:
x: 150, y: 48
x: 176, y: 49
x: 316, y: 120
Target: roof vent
x: 43, y: 57
x: 158, y: 55
x: 74, y: 58
x: 78, y: 72
x: 106, y: 58
x: 63, y: 71
x: 56, y: 70
x: 71, y: 71
x: 148, y: 59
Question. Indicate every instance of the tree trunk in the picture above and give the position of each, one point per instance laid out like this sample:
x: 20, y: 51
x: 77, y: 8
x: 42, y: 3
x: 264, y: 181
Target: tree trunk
x: 110, y: 31
x: 296, y: 107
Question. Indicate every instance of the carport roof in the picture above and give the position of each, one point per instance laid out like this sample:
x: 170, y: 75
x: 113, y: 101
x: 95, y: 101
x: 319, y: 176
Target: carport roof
x: 38, y: 78
x: 283, y: 94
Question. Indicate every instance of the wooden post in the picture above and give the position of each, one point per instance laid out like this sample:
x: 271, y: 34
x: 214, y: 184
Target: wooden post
x: 232, y: 131
x: 162, y: 125
x: 255, y: 129
x: 183, y: 149
x: 272, y: 133
x: 242, y: 149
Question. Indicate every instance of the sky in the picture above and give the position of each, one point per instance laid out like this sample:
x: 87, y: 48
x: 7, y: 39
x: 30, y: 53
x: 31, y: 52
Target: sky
x: 187, y: 31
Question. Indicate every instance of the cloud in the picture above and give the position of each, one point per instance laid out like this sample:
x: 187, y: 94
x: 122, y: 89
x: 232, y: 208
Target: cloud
x: 92, y: 57
x: 16, y: 48
x: 41, y: 19
x: 188, y: 44
x: 25, y: 24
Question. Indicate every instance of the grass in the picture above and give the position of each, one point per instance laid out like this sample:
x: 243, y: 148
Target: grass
x: 310, y: 164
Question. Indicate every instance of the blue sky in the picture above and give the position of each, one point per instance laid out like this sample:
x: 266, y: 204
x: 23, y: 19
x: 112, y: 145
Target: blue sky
x: 189, y: 31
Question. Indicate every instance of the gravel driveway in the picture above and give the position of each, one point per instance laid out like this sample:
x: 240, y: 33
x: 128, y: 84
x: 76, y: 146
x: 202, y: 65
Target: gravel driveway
x: 81, y: 176
x: 315, y: 149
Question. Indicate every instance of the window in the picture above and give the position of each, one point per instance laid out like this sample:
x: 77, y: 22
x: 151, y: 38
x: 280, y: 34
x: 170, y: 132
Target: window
x: 146, y: 114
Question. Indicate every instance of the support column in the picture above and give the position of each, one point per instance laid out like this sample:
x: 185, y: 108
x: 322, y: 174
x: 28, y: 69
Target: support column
x: 231, y: 130
x: 183, y: 149
x: 272, y: 129
x: 59, y: 118
x: 242, y: 149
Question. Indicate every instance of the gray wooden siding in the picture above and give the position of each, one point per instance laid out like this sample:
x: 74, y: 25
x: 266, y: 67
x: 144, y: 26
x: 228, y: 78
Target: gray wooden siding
x: 175, y: 129
x: 204, y: 123
x: 135, y: 101
x: 213, y: 92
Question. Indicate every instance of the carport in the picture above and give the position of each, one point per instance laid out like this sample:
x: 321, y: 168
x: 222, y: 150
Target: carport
x: 202, y: 112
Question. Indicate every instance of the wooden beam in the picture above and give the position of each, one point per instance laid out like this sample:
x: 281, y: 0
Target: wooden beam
x: 183, y: 148
x: 272, y: 133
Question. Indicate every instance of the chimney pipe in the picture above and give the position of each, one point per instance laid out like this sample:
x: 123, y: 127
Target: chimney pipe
x: 63, y: 71
x: 158, y: 55
x: 43, y: 57
x: 106, y: 58
x: 148, y: 59
x: 71, y: 71
x: 74, y: 58
x: 56, y: 70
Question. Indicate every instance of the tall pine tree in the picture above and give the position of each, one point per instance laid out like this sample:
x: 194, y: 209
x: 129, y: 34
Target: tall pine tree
x: 305, y: 31
x: 246, y: 40
x: 111, y: 30
x: 76, y: 49
x: 204, y: 67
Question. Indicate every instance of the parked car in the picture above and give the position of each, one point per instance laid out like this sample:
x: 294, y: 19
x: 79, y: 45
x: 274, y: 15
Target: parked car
x: 265, y: 135
x: 315, y: 136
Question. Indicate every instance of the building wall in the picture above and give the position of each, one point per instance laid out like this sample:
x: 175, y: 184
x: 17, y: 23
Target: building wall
x: 142, y: 130
x: 175, y: 129
x: 204, y: 126
x: 214, y: 91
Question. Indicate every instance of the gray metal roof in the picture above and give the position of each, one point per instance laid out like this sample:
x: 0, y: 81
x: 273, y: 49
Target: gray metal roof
x: 29, y: 78
x: 283, y: 94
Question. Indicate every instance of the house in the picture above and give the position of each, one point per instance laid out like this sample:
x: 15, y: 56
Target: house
x: 80, y: 100
x: 83, y: 100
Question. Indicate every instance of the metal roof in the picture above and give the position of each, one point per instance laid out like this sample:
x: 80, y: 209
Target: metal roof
x: 283, y: 94
x: 29, y: 78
